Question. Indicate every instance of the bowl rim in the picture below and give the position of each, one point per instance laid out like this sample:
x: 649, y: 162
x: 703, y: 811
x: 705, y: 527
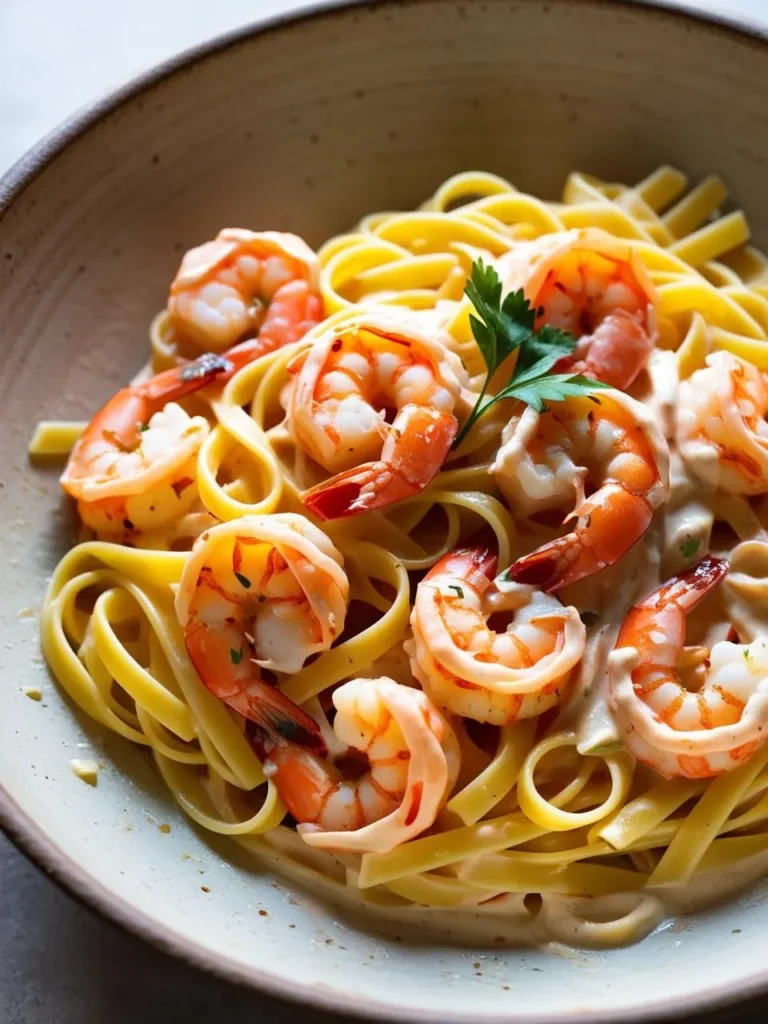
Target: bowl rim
x: 31, y: 839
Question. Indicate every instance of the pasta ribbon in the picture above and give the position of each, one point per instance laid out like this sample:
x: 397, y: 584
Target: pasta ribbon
x: 597, y: 837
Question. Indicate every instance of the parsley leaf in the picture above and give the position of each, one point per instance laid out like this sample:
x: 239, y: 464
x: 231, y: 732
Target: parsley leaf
x: 235, y: 656
x: 243, y: 580
x: 547, y: 341
x: 503, y: 327
x: 459, y: 591
x: 536, y: 387
x: 689, y: 546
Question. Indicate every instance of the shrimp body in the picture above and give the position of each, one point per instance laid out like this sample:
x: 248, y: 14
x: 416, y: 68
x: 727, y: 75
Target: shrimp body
x: 134, y: 468
x: 546, y: 459
x: 595, y: 286
x: 721, y: 429
x: 261, y: 592
x: 413, y: 761
x: 678, y: 731
x: 242, y: 282
x: 470, y: 670
x: 344, y: 386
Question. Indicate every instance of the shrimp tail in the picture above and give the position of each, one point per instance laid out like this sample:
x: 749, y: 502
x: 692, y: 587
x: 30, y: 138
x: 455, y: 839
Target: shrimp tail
x: 278, y: 716
x: 412, y: 455
x: 187, y: 378
x: 551, y: 565
x: 693, y: 585
x: 357, y: 490
x: 608, y: 525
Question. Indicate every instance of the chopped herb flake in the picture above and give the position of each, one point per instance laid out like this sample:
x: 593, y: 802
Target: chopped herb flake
x: 459, y: 591
x: 690, y: 546
x: 235, y: 656
x: 243, y: 580
x: 610, y: 747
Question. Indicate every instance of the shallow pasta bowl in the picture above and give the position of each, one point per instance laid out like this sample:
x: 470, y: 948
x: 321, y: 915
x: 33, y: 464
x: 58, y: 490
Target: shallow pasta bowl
x: 306, y: 123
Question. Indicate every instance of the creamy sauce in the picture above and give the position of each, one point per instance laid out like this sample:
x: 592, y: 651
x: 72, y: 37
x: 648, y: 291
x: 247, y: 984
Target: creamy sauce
x: 510, y: 921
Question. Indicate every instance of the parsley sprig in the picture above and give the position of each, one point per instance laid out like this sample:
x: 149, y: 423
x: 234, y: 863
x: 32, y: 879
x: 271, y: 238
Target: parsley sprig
x: 503, y: 327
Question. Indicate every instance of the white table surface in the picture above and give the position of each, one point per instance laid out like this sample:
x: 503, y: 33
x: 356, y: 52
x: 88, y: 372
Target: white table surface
x: 59, y: 964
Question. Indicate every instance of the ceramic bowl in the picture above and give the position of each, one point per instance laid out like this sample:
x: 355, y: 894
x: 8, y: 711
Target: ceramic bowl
x: 306, y: 123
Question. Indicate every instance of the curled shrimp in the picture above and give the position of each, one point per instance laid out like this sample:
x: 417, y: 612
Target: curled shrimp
x: 413, y: 760
x: 595, y: 286
x: 545, y: 461
x: 342, y: 389
x: 134, y: 467
x: 701, y: 732
x: 721, y: 429
x: 242, y: 282
x: 470, y: 670
x: 261, y: 592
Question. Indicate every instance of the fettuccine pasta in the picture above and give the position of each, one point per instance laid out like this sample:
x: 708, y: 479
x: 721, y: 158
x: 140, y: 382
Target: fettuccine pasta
x: 320, y: 644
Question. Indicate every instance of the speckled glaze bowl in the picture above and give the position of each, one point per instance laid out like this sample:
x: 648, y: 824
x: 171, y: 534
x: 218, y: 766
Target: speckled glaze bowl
x: 305, y: 124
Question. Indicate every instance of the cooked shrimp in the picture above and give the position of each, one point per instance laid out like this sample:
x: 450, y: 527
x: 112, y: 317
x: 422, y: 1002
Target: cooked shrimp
x: 470, y: 670
x: 721, y: 429
x: 413, y: 759
x: 544, y: 462
x: 246, y: 281
x: 595, y: 286
x: 343, y: 387
x: 134, y: 468
x: 678, y: 731
x: 261, y: 592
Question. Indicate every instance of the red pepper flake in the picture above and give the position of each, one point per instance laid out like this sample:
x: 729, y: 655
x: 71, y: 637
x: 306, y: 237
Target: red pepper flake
x: 181, y: 485
x: 237, y: 556
x: 415, y: 803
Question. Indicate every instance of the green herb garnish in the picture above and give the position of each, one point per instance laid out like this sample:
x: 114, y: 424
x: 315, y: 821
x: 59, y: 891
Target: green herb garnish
x: 243, y: 580
x: 689, y: 546
x: 235, y: 656
x: 503, y: 327
x: 459, y: 591
x: 600, y: 749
